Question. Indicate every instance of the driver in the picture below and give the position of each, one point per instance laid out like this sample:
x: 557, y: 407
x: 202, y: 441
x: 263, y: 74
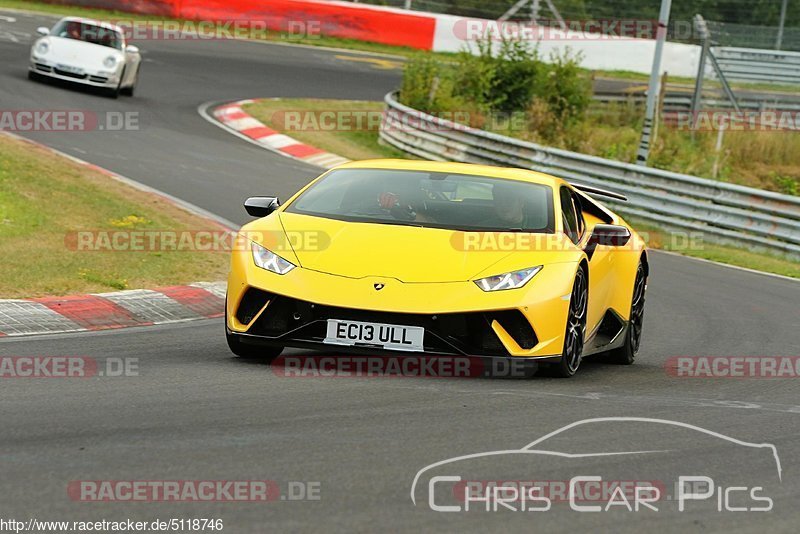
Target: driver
x: 72, y: 31
x: 509, y: 206
x: 400, y: 209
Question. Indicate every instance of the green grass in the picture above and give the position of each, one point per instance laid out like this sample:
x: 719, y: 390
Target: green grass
x: 45, y: 199
x: 349, y: 141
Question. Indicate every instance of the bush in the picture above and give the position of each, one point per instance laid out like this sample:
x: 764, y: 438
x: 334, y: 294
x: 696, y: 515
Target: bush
x: 419, y: 80
x: 501, y: 77
x: 566, y: 92
x: 506, y: 74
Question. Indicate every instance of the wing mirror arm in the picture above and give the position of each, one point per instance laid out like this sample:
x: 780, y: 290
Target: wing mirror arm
x: 609, y: 235
x: 261, y: 206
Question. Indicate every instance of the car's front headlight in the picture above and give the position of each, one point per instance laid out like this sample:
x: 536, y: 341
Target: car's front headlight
x: 266, y: 259
x: 512, y: 280
x: 42, y: 48
x: 110, y: 62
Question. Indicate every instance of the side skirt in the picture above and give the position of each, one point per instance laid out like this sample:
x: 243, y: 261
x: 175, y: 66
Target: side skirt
x: 608, y: 335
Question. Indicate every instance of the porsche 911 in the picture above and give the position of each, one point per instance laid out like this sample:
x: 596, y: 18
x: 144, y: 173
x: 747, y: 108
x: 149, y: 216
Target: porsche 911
x: 86, y: 52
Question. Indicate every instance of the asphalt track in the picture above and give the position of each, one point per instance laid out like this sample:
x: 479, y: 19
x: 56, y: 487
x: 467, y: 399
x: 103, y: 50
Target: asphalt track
x: 196, y: 412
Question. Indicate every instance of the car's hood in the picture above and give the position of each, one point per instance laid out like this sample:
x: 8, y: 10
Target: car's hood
x: 79, y: 53
x: 406, y: 253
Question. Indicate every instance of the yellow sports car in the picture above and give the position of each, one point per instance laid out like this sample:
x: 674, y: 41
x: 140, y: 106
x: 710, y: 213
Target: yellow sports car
x: 438, y: 258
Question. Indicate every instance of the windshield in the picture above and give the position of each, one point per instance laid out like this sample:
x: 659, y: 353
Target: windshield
x: 81, y: 31
x: 436, y: 200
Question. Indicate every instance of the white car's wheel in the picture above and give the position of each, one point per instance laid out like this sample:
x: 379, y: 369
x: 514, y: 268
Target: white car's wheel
x: 114, y: 92
x: 128, y: 91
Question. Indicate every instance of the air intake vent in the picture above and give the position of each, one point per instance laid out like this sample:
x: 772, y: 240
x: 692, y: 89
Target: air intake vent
x: 252, y: 302
x: 517, y: 327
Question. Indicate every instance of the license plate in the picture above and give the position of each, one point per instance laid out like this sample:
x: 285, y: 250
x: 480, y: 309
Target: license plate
x: 70, y: 69
x: 388, y: 336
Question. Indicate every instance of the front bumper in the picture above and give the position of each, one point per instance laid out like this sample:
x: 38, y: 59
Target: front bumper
x: 100, y: 79
x: 458, y: 317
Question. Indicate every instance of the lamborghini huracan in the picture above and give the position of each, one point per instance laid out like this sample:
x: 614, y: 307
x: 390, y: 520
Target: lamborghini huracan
x: 400, y: 257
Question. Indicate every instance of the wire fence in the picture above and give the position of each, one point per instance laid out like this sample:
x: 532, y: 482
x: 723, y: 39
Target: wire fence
x: 749, y: 36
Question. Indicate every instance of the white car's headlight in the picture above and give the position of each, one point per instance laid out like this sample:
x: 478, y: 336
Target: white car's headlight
x: 270, y: 261
x: 42, y: 48
x: 110, y: 62
x: 513, y: 280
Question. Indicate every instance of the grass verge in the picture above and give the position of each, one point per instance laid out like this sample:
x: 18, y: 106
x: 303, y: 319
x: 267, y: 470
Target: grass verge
x: 363, y: 144
x: 45, y: 199
x: 350, y: 136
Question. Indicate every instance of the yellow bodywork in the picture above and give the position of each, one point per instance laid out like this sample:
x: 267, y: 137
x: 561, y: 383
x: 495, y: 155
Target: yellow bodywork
x: 426, y: 271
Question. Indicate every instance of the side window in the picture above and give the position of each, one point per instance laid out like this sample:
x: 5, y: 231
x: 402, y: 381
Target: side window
x: 579, y: 212
x: 569, y: 215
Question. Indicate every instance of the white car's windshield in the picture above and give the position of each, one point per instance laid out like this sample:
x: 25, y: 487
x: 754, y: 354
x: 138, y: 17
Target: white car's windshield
x: 90, y: 33
x: 436, y: 200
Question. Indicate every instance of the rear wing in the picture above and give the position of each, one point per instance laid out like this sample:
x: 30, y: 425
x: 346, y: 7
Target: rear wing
x: 591, y: 190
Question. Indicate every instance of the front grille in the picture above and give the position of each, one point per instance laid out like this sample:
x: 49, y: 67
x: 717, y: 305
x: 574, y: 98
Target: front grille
x: 70, y: 74
x: 452, y: 333
x: 44, y: 68
x: 98, y: 79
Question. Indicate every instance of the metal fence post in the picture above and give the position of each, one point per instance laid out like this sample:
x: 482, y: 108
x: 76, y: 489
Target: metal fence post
x: 702, y: 31
x: 652, y: 90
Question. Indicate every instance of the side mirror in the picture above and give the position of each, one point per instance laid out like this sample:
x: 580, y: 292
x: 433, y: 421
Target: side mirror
x: 42, y: 30
x: 130, y: 49
x: 609, y: 235
x: 261, y: 206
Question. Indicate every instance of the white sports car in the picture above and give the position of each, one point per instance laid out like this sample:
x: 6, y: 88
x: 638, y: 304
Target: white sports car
x: 88, y: 52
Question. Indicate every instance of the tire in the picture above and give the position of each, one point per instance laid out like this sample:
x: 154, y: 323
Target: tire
x: 626, y: 354
x: 248, y: 352
x: 128, y: 91
x: 115, y: 92
x: 33, y: 76
x: 575, y: 334
x: 251, y: 352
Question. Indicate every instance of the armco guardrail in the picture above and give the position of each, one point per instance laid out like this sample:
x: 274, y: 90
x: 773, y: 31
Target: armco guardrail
x: 759, y: 65
x: 723, y: 212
